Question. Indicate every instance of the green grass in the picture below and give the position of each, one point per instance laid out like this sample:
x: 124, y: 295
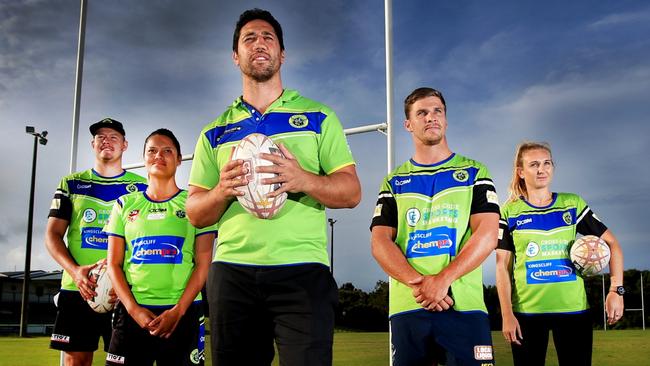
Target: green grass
x: 618, y: 347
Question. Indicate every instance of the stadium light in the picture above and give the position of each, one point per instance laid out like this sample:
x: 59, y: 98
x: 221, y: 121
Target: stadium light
x: 39, y: 137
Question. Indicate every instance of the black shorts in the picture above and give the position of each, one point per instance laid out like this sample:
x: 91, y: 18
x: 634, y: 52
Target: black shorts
x: 572, y: 337
x: 251, y: 306
x: 419, y: 337
x: 132, y: 345
x: 78, y: 327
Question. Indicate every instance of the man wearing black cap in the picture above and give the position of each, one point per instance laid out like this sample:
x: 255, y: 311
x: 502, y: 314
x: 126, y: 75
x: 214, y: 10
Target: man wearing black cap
x: 81, y: 205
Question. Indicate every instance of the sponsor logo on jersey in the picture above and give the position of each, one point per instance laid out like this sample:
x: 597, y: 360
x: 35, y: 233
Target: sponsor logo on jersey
x: 378, y: 210
x: 231, y: 130
x: 412, y: 216
x: 524, y: 221
x: 402, y: 182
x: 157, y: 214
x: 115, y: 358
x: 567, y: 218
x: 549, y: 271
x: 532, y: 249
x: 447, y: 213
x: 133, y: 215
x: 89, y: 215
x: 554, y: 248
x: 162, y: 249
x: 298, y: 121
x: 483, y: 353
x: 461, y: 175
x: 436, y: 241
x: 60, y: 338
x: 180, y: 214
x: 84, y: 186
x: 492, y: 197
x: 93, y: 238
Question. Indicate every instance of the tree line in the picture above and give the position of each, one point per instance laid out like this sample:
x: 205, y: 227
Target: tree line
x: 368, y: 311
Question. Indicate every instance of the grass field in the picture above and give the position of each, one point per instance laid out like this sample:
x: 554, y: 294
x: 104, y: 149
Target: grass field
x: 620, y: 348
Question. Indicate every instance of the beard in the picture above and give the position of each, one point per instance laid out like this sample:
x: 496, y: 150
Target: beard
x: 260, y: 74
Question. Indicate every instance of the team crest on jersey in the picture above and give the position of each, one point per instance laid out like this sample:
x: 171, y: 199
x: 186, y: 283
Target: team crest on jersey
x: 89, y: 215
x: 532, y: 249
x: 132, y: 188
x: 180, y: 214
x: 413, y: 216
x: 567, y: 218
x: 298, y: 121
x: 461, y: 175
x: 133, y: 215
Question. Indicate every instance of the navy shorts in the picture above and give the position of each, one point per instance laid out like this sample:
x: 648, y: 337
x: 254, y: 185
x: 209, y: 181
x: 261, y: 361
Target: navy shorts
x: 419, y: 337
x: 78, y: 327
x: 132, y: 345
x: 253, y: 306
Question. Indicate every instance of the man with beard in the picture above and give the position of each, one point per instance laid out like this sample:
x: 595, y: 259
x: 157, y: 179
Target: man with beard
x: 270, y: 279
x: 81, y: 206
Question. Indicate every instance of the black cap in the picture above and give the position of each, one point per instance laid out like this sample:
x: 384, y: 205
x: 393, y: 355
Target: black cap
x: 107, y: 123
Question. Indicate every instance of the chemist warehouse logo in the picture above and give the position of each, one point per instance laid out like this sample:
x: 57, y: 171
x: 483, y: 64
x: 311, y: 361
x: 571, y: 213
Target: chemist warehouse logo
x: 426, y: 243
x: 549, y: 271
x: 93, y: 238
x: 158, y: 250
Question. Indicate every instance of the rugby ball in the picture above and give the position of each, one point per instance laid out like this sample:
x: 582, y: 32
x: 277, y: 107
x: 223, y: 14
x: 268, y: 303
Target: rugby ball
x: 590, y: 255
x: 99, y: 274
x: 254, y: 199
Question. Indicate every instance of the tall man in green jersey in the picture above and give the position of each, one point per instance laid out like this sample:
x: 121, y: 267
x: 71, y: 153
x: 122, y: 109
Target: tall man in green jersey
x: 81, y: 206
x: 435, y: 222
x: 269, y: 279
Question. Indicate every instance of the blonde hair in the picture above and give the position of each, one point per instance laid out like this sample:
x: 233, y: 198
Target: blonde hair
x: 517, y: 185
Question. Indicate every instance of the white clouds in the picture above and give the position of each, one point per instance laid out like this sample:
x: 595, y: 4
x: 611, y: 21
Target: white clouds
x: 619, y: 19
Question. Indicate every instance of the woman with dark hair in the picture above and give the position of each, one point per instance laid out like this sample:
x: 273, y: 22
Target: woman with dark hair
x: 158, y: 263
x: 539, y: 290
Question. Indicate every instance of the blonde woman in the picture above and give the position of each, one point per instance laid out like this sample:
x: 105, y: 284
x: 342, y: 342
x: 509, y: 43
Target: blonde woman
x: 536, y: 292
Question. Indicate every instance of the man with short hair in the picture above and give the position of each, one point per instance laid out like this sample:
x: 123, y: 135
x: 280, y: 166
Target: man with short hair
x: 435, y: 222
x: 81, y: 206
x: 270, y: 279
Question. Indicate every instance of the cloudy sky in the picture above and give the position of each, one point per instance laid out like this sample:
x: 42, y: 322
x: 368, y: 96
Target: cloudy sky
x: 575, y: 74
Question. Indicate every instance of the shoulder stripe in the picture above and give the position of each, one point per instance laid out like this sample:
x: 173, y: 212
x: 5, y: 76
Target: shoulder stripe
x: 583, y: 214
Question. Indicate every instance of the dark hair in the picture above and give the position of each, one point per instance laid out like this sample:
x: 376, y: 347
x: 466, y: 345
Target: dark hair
x: 421, y: 93
x: 254, y: 14
x: 163, y: 132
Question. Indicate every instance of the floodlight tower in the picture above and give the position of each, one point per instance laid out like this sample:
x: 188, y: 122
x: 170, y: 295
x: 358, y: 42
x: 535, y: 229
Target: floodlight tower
x: 39, y: 137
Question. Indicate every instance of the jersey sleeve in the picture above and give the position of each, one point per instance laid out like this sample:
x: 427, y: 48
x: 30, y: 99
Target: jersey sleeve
x: 505, y: 236
x: 212, y: 229
x: 115, y: 224
x: 61, y: 206
x: 334, y: 152
x: 386, y: 209
x: 205, y: 170
x: 587, y: 223
x: 484, y: 197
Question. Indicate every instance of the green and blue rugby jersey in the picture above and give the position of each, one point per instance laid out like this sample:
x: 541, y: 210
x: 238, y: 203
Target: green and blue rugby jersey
x: 85, y: 199
x: 430, y: 206
x: 297, y: 234
x: 544, y: 280
x: 159, y: 243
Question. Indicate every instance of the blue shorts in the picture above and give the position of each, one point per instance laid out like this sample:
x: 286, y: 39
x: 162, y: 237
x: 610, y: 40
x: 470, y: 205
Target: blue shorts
x: 419, y: 337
